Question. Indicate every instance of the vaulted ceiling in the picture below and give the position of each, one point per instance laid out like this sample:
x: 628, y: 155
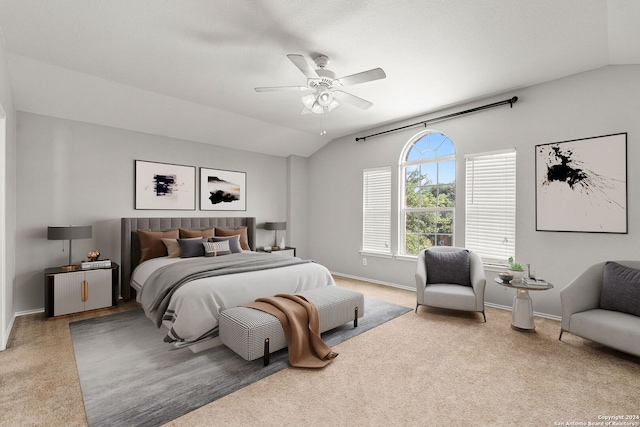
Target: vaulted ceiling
x: 187, y: 69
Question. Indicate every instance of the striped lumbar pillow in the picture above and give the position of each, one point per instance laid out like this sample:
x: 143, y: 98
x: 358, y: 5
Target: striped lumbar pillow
x: 216, y: 248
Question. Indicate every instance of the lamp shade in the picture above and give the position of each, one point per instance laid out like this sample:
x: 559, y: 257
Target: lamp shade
x: 275, y: 225
x: 69, y: 232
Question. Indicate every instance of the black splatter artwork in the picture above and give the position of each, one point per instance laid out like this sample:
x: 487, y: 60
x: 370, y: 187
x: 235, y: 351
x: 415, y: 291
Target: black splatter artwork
x: 581, y: 185
x: 222, y: 191
x: 564, y: 171
x: 565, y: 167
x: 164, y: 184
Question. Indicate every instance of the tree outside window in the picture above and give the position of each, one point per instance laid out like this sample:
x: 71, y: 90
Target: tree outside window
x: 429, y: 192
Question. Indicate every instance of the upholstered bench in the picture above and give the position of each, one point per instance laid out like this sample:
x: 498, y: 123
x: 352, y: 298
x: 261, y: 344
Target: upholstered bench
x: 253, y: 333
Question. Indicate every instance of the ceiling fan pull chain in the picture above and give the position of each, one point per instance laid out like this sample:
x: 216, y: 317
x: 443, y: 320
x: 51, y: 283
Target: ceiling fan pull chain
x: 322, y: 130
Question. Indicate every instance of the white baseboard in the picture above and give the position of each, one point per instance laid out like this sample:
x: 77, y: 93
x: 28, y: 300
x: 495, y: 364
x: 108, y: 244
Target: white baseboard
x: 535, y: 313
x: 26, y: 313
x: 3, y: 345
x: 548, y: 316
x: 395, y: 285
x: 7, y: 333
x: 498, y: 306
x: 378, y: 282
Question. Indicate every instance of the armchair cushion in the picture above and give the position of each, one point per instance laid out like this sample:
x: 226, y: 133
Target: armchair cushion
x: 620, y: 289
x: 448, y: 267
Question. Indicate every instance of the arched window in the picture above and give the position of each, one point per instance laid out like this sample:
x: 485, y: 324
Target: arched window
x: 428, y: 179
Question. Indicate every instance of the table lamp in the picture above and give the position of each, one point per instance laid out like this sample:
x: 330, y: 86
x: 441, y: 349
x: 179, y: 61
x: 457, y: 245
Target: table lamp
x: 69, y: 233
x: 275, y: 226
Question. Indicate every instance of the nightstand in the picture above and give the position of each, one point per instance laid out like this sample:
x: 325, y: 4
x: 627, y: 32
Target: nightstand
x: 287, y: 251
x: 80, y: 290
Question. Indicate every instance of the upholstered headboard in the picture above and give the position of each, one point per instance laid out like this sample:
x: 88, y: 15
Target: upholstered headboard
x: 130, y: 243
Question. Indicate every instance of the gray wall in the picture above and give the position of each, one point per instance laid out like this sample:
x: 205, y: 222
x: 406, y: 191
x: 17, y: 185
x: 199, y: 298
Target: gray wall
x: 79, y: 173
x: 599, y: 102
x: 298, y: 204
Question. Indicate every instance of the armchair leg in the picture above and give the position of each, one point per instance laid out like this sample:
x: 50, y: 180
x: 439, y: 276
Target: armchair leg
x: 560, y: 337
x: 485, y: 316
x: 416, y: 311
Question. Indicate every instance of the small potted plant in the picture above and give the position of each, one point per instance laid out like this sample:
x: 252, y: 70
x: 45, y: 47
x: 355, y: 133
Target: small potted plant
x: 516, y: 269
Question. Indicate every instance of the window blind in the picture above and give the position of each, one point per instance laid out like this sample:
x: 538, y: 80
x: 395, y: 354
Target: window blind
x: 491, y: 205
x: 376, y: 206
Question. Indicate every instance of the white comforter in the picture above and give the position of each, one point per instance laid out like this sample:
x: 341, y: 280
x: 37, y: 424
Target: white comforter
x: 194, y: 308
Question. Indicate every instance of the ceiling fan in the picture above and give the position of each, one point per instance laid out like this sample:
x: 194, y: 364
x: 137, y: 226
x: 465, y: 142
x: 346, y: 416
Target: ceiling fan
x: 327, y: 94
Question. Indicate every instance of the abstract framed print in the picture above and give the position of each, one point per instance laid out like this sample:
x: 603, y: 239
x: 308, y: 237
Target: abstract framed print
x: 581, y: 185
x: 164, y: 186
x: 223, y: 190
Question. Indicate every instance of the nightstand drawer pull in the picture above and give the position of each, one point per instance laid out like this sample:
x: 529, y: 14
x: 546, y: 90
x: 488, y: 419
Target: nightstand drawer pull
x: 85, y: 290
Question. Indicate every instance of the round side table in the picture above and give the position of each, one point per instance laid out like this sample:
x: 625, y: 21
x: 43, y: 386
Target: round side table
x: 522, y: 312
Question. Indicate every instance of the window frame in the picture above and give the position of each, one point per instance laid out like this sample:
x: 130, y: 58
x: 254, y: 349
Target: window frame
x: 402, y: 209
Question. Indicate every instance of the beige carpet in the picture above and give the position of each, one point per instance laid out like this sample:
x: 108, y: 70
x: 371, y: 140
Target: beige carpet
x: 434, y: 368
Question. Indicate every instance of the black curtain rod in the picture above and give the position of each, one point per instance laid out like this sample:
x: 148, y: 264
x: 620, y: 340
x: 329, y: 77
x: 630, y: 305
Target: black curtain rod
x: 510, y: 101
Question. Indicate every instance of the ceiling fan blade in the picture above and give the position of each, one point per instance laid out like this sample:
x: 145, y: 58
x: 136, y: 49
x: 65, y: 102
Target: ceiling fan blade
x: 352, y: 99
x: 282, y: 88
x: 305, y: 110
x: 365, y: 76
x: 303, y: 65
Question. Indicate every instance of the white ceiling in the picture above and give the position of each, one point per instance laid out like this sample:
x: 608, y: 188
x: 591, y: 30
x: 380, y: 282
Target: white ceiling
x: 187, y: 69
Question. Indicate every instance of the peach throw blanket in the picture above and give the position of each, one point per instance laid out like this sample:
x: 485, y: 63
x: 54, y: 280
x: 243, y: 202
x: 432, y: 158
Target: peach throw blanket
x: 301, y: 325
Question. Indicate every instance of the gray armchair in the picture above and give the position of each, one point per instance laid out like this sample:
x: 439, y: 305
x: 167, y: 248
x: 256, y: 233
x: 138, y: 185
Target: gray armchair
x: 450, y: 277
x: 601, y: 305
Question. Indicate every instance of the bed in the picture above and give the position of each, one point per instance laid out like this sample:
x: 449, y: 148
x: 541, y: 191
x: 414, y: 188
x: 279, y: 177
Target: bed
x: 187, y: 295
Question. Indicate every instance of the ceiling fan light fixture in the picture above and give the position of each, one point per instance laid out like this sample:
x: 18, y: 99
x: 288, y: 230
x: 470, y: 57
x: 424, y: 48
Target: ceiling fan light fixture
x: 309, y: 100
x: 317, y: 105
x: 325, y: 98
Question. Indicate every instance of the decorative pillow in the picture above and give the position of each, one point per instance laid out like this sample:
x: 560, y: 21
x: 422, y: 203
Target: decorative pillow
x: 207, y: 232
x: 242, y: 231
x: 173, y: 247
x: 190, y: 248
x: 448, y: 267
x: 234, y: 242
x: 620, y: 288
x: 151, y: 245
x: 216, y: 248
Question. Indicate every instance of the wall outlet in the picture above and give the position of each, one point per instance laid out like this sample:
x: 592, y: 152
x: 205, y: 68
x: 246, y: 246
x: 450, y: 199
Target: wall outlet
x: 364, y: 261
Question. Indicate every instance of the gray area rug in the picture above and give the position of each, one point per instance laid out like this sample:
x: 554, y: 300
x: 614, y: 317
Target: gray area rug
x: 130, y: 377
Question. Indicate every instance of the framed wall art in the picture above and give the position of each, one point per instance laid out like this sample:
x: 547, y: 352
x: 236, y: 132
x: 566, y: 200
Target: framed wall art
x: 581, y: 185
x: 222, y: 190
x: 164, y: 186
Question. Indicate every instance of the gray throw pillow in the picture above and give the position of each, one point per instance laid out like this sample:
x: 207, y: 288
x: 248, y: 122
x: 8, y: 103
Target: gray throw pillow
x: 234, y: 242
x: 620, y: 288
x: 448, y: 267
x: 190, y: 248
